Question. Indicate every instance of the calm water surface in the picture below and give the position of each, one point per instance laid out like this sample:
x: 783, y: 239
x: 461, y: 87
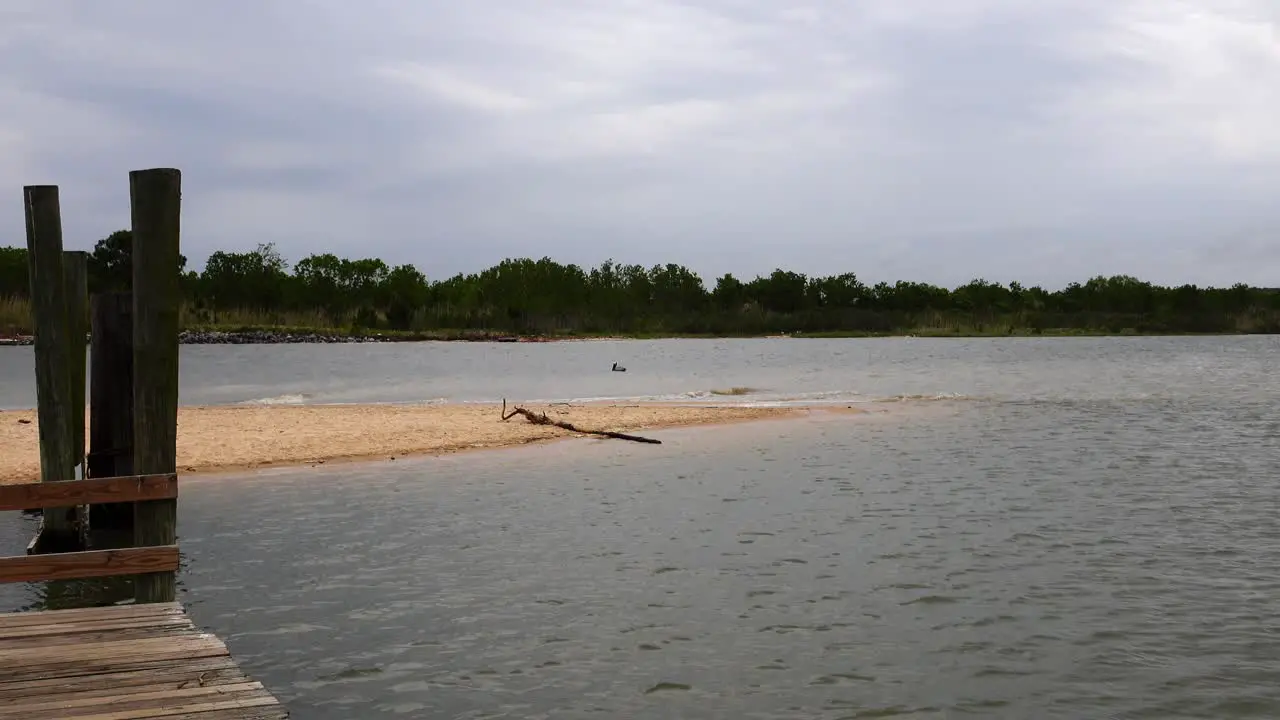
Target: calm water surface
x: 774, y: 370
x: 1077, y: 529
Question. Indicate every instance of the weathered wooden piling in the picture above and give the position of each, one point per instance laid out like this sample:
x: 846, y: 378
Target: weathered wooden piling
x: 75, y: 281
x: 155, y: 199
x: 111, y: 403
x: 147, y: 659
x: 75, y: 277
x: 53, y: 350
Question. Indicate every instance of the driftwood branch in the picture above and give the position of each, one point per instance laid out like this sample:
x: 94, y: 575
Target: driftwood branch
x: 540, y: 418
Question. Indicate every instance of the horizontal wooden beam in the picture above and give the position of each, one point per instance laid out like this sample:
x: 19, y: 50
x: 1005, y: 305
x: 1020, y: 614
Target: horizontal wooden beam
x: 66, y: 493
x: 93, y: 563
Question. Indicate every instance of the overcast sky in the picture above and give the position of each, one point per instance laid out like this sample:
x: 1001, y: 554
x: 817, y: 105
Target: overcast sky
x: 935, y: 140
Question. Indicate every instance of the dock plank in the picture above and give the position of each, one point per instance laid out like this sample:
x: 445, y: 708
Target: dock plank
x: 91, y: 614
x: 128, y: 662
x: 212, y: 671
x: 89, y: 563
x: 117, y: 634
x: 79, y: 630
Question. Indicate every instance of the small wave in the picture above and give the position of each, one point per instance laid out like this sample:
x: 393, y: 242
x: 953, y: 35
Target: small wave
x: 286, y: 399
x: 932, y: 600
x: 804, y: 399
x: 923, y: 397
x: 429, y: 401
x: 753, y: 397
x: 851, y: 398
x: 589, y: 399
x: 736, y: 391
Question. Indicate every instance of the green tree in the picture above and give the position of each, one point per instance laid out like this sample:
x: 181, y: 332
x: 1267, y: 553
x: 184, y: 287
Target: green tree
x: 403, y: 293
x: 729, y: 293
x: 256, y: 279
x: 111, y: 263
x: 15, y: 274
x: 542, y: 295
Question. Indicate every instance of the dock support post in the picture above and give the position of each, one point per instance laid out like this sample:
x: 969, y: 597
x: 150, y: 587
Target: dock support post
x: 75, y: 283
x: 111, y: 403
x: 53, y: 362
x: 155, y: 199
x: 75, y: 275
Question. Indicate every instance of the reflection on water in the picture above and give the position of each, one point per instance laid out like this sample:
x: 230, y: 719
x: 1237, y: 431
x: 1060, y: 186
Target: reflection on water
x: 89, y: 592
x: 1047, y: 555
x: 64, y: 594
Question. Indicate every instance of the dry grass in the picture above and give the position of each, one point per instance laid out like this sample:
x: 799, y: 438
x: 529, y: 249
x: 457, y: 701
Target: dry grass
x: 15, y: 316
x: 248, y: 317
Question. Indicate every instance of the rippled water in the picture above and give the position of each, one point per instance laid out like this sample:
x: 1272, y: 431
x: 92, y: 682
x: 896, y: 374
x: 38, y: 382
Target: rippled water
x: 839, y: 371
x: 1058, y: 544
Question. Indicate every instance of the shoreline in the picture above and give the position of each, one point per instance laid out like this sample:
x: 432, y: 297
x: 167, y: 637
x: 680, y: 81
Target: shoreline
x: 290, y: 336
x: 222, y: 439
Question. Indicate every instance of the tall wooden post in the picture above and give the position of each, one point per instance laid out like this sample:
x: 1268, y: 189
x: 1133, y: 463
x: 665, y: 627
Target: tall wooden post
x: 111, y: 402
x: 53, y: 357
x: 155, y: 198
x: 75, y: 275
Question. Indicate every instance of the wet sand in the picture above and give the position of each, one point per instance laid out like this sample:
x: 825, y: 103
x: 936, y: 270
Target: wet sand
x: 228, y: 438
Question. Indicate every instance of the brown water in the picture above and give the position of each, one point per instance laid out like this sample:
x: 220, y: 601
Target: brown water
x: 1085, y: 546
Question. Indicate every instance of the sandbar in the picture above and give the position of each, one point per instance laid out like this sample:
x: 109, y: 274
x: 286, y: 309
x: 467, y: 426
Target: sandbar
x: 237, y: 437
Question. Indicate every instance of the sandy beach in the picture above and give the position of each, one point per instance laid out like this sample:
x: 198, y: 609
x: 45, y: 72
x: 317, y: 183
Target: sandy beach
x: 228, y: 438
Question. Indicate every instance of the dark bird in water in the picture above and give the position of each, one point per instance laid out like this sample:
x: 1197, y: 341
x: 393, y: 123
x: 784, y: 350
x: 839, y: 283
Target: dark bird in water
x: 618, y: 368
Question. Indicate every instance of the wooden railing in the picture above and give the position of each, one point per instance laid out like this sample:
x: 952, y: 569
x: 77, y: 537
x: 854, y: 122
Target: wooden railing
x: 91, y: 563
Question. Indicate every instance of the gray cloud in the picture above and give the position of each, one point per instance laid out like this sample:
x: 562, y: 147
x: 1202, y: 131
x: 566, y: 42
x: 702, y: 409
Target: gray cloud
x: 1044, y: 142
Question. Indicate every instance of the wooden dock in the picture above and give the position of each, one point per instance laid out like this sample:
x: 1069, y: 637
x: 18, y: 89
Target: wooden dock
x: 122, y: 662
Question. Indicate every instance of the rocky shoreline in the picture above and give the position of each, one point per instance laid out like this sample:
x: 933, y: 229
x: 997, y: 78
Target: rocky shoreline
x: 283, y: 337
x: 269, y: 337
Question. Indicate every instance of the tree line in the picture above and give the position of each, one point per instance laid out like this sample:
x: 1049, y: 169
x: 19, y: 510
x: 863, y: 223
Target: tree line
x: 530, y: 296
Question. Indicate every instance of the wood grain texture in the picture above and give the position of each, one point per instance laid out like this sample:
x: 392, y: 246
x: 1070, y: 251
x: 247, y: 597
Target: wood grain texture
x: 111, y: 402
x: 75, y: 282
x: 52, y: 349
x: 30, y: 496
x: 155, y: 197
x: 90, y: 563
x: 89, y: 614
x: 123, y: 663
